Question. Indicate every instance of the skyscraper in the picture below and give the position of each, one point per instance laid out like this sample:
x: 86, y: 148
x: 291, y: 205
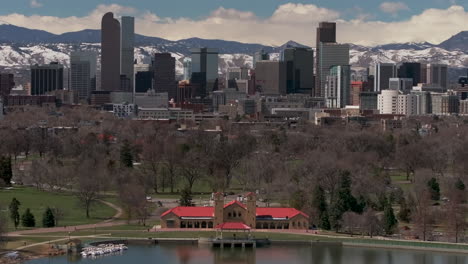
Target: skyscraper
x: 46, y: 78
x: 143, y: 78
x: 382, y: 73
x: 110, y: 53
x: 164, y: 74
x: 83, y: 73
x: 128, y: 43
x: 7, y: 83
x: 270, y: 77
x: 187, y: 68
x: 260, y: 56
x: 326, y: 33
x: 435, y: 74
x: 205, y: 70
x: 331, y: 54
x: 338, y: 86
x: 299, y: 70
x: 410, y: 70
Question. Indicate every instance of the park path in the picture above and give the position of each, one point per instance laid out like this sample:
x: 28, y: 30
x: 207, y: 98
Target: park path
x: 57, y: 240
x: 109, y: 222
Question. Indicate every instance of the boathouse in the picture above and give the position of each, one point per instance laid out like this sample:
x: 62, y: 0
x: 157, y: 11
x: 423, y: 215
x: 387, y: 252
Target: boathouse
x: 235, y: 212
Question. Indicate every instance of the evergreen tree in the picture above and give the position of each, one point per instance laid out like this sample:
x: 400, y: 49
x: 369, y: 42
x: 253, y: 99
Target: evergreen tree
x: 186, y: 197
x: 27, y: 219
x: 48, y: 219
x: 6, y: 173
x: 390, y: 221
x: 405, y: 212
x: 344, y: 202
x: 460, y: 185
x: 14, y: 212
x: 434, y: 189
x: 319, y: 204
x: 126, y: 155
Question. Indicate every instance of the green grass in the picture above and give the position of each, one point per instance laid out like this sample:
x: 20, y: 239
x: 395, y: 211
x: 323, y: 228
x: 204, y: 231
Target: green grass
x: 38, y: 201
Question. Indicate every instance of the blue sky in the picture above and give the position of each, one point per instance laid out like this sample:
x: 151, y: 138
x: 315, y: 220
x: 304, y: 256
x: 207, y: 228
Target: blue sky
x: 200, y: 8
x: 272, y: 22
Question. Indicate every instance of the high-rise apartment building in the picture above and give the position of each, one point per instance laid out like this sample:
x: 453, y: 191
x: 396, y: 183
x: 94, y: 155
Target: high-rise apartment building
x: 7, y: 82
x: 338, y: 86
x: 299, y: 70
x: 83, y: 73
x: 270, y: 77
x: 205, y: 70
x: 326, y: 33
x: 410, y: 70
x: 127, y: 45
x: 164, y: 80
x: 110, y: 53
x: 382, y: 73
x: 331, y: 54
x: 387, y: 102
x: 46, y: 78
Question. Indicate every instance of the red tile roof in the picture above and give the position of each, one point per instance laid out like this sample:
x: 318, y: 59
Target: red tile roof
x: 278, y: 212
x: 235, y: 202
x: 182, y: 211
x: 233, y: 226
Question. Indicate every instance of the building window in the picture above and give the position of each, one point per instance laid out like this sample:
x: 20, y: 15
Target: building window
x: 229, y: 214
x: 240, y: 215
x: 234, y: 215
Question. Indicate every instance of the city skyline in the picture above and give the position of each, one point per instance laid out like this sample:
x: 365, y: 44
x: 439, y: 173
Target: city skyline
x: 372, y: 24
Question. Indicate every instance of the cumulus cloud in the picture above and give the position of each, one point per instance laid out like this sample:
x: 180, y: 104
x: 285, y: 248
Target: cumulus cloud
x: 35, y: 4
x: 393, y: 8
x: 288, y: 22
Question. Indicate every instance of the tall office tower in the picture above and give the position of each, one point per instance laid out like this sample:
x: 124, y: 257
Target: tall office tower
x: 83, y: 73
x: 7, y: 82
x: 143, y: 78
x: 260, y: 55
x: 270, y: 77
x: 187, y: 68
x: 164, y: 80
x: 128, y: 43
x: 410, y: 70
x: 401, y: 84
x: 299, y: 70
x: 205, y: 70
x: 46, y: 78
x: 331, y: 54
x: 382, y: 73
x: 110, y: 53
x: 326, y: 33
x: 338, y: 86
x: 435, y: 74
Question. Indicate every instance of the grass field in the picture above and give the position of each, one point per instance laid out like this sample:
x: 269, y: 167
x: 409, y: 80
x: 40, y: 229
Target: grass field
x: 38, y: 201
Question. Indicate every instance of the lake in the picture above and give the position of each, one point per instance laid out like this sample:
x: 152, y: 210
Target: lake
x: 289, y: 254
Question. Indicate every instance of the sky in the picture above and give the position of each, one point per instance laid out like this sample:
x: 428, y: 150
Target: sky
x: 271, y: 22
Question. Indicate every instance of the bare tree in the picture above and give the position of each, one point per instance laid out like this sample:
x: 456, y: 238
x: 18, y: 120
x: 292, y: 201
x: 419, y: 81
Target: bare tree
x: 423, y: 216
x: 455, y: 216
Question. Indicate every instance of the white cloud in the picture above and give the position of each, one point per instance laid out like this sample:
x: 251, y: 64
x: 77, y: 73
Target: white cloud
x: 35, y: 4
x: 288, y: 22
x: 393, y: 7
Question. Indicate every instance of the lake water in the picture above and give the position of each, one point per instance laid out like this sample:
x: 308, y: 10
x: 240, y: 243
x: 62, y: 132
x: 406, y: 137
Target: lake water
x: 290, y: 254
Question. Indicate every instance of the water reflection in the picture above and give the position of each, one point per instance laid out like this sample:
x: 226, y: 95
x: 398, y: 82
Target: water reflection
x: 289, y: 254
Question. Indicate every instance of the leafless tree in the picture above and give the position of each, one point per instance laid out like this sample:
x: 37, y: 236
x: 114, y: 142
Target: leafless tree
x: 455, y: 216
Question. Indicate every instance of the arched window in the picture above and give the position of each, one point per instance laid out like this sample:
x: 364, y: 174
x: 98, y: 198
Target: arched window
x: 229, y: 214
x: 240, y: 215
x: 234, y: 214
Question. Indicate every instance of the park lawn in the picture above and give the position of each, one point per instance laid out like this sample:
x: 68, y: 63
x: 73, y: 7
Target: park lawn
x: 38, y: 201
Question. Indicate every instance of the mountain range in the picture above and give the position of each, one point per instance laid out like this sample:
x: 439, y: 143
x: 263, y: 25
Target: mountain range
x: 21, y: 47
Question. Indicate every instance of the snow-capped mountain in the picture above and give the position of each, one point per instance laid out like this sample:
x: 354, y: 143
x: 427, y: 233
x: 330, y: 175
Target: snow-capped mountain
x: 23, y: 47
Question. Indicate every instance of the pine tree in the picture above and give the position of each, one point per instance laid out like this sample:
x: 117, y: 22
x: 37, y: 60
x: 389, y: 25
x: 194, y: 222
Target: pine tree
x: 6, y: 173
x: 186, y: 198
x: 14, y: 212
x: 434, y: 189
x: 27, y: 219
x: 126, y: 155
x: 390, y: 221
x: 48, y: 219
x: 319, y: 204
x: 460, y: 185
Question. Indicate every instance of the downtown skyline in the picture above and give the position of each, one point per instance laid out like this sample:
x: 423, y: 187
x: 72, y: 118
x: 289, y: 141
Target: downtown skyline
x: 391, y: 22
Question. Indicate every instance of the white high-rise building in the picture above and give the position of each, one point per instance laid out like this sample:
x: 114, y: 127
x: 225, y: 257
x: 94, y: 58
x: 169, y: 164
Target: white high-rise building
x: 382, y: 73
x: 407, y: 104
x: 330, y: 54
x: 127, y: 53
x: 83, y: 73
x: 187, y: 68
x: 387, y: 102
